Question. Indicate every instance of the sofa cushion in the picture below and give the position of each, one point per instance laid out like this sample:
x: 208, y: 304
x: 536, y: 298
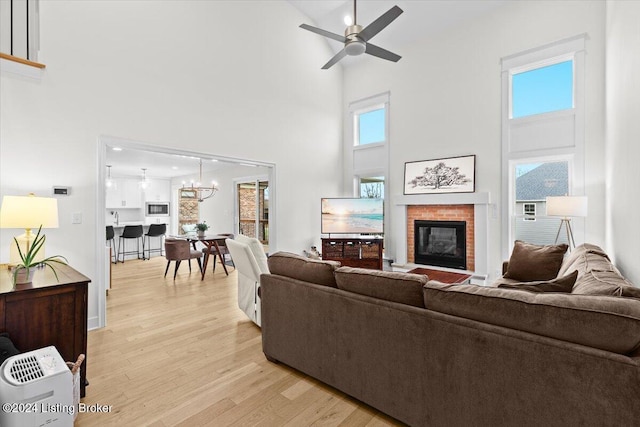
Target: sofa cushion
x: 606, y: 323
x: 405, y: 288
x: 559, y: 284
x: 530, y: 262
x: 305, y: 269
x: 610, y: 283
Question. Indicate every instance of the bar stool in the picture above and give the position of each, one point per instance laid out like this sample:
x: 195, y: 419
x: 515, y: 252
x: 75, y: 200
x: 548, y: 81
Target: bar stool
x: 130, y: 232
x: 155, y: 230
x: 110, y: 240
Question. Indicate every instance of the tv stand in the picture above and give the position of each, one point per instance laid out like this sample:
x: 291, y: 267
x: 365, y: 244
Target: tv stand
x: 354, y: 252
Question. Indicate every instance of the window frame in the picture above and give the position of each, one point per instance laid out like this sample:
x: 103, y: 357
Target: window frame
x: 526, y: 216
x: 526, y: 139
x: 541, y: 64
x: 356, y: 125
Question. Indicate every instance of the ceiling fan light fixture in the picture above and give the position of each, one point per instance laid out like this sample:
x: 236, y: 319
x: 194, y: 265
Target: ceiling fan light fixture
x: 355, y: 47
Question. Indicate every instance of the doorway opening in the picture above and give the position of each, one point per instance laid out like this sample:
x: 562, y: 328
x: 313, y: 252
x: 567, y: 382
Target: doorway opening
x: 253, y: 209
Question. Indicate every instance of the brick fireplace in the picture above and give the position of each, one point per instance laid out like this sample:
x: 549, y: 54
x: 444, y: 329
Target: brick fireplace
x: 442, y: 213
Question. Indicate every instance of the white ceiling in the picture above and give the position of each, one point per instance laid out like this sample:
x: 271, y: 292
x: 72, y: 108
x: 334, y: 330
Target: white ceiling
x: 421, y: 19
x: 129, y: 162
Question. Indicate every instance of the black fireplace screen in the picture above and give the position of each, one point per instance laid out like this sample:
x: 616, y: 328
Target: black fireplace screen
x: 441, y: 243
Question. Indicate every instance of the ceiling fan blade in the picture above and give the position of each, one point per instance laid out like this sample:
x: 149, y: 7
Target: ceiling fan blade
x: 335, y: 59
x: 382, y: 53
x: 336, y: 37
x: 378, y: 25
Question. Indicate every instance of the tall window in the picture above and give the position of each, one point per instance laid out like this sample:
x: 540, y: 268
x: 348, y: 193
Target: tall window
x: 370, y: 126
x: 542, y: 137
x: 372, y: 187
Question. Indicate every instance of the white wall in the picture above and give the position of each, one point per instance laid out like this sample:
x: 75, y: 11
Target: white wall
x: 236, y: 79
x: 623, y: 135
x: 445, y: 97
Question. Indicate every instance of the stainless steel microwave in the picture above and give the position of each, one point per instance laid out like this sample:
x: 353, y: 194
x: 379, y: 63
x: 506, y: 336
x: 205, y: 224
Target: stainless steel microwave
x: 157, y: 209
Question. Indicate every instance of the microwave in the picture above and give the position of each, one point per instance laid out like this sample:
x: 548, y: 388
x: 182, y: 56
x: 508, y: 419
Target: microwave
x: 157, y: 209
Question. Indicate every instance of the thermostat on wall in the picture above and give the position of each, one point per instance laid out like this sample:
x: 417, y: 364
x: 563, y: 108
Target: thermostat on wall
x: 61, y: 191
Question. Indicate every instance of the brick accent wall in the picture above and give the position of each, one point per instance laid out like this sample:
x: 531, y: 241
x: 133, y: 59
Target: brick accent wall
x: 442, y: 213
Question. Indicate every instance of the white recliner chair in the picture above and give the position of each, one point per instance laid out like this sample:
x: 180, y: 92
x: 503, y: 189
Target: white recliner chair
x: 250, y: 261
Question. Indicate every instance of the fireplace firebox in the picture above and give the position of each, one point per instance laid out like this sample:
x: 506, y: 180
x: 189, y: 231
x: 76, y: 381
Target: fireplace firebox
x: 441, y: 243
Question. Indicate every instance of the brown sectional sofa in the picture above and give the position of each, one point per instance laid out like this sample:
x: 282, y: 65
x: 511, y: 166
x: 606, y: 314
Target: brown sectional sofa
x: 431, y: 354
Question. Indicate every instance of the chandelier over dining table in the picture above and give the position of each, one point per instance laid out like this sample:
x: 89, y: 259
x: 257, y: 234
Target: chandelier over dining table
x: 201, y: 192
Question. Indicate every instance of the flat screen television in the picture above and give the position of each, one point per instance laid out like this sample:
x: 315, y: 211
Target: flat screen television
x: 352, y: 216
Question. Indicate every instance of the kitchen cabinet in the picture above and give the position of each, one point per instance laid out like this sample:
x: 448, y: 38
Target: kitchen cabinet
x: 158, y: 190
x: 126, y: 193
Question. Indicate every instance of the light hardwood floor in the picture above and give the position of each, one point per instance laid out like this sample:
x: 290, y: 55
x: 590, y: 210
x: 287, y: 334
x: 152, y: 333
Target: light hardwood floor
x: 182, y: 353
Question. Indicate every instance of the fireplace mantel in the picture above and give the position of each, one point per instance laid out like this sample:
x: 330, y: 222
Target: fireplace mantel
x: 481, y: 202
x: 443, y: 199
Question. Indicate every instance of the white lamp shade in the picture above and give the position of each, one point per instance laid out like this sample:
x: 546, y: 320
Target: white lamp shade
x: 567, y: 206
x: 29, y: 212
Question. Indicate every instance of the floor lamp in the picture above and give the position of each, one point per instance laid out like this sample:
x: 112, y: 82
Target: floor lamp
x: 27, y: 212
x: 567, y: 207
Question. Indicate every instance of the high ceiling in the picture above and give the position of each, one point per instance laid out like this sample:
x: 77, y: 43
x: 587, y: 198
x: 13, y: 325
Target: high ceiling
x: 421, y: 18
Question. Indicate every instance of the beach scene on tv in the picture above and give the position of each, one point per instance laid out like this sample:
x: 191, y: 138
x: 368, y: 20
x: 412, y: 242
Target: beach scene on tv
x: 351, y: 216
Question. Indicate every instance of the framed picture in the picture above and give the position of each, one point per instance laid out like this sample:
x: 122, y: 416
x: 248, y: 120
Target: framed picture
x: 450, y: 175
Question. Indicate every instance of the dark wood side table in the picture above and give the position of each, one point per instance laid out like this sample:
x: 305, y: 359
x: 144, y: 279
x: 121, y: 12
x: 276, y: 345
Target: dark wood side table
x: 47, y: 312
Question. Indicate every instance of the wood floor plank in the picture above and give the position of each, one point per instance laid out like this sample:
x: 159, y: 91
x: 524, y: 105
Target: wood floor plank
x: 181, y: 353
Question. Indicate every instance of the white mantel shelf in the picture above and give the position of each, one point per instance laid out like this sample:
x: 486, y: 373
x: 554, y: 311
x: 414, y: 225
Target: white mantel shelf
x: 443, y: 199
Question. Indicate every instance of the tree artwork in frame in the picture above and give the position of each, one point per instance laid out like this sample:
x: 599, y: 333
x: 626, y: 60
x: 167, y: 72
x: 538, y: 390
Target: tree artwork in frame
x: 450, y: 175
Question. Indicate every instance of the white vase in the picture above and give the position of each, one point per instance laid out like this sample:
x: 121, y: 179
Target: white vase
x: 200, y: 233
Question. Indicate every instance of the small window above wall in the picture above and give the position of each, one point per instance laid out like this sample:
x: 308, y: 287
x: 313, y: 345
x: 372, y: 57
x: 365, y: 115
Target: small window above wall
x: 529, y: 211
x: 542, y: 89
x: 369, y: 126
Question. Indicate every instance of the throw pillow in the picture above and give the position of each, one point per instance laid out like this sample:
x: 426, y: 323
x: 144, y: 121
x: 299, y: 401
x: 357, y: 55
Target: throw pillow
x: 529, y: 262
x: 560, y: 284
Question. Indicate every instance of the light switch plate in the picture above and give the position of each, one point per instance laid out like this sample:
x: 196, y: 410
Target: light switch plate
x: 76, y: 218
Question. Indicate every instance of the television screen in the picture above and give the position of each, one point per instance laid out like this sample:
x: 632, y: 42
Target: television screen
x: 352, y: 216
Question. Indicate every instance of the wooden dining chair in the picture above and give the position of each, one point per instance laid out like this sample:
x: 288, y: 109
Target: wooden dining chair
x: 179, y: 250
x: 224, y: 251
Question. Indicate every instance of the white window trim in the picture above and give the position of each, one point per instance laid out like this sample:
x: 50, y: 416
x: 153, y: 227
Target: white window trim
x: 573, y: 46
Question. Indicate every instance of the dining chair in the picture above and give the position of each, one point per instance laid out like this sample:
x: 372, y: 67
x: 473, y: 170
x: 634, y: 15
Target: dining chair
x: 155, y: 230
x: 224, y: 251
x: 179, y: 250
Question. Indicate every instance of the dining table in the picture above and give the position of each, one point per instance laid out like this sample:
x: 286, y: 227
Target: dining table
x: 209, y: 241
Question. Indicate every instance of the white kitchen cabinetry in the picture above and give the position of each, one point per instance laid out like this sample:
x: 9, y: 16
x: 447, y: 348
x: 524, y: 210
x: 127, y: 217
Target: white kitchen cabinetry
x: 158, y: 190
x: 126, y: 194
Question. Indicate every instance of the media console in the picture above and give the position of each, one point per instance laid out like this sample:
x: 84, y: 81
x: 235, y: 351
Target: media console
x: 354, y: 252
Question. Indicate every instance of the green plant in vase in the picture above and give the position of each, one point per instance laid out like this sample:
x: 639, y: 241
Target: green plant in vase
x: 30, y: 262
x: 201, y: 228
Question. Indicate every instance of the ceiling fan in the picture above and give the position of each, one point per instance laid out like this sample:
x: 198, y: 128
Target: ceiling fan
x: 356, y: 39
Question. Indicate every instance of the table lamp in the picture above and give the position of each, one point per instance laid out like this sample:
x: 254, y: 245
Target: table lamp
x: 566, y: 207
x: 27, y: 212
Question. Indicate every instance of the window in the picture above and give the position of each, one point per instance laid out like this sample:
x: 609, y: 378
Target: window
x: 534, y: 182
x: 543, y: 128
x: 542, y: 90
x: 372, y: 187
x: 529, y: 210
x: 370, y: 126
